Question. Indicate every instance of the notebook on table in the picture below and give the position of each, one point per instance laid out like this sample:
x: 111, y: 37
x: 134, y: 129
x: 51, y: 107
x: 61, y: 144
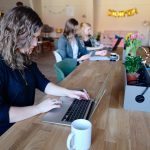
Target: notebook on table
x: 114, y: 57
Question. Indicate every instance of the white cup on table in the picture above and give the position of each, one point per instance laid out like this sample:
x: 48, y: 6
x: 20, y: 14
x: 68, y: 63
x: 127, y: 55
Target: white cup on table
x: 114, y: 57
x: 80, y: 136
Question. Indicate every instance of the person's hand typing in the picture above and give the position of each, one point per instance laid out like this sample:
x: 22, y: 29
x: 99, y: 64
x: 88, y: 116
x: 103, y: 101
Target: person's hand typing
x: 48, y: 104
x: 101, y: 53
x: 78, y: 94
x: 84, y: 57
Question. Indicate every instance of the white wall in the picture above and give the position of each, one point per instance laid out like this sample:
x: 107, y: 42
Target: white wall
x: 104, y: 22
x: 36, y: 5
x: 8, y: 4
x: 54, y: 11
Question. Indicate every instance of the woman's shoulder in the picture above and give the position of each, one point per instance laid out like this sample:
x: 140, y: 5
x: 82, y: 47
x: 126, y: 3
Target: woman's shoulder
x: 62, y: 38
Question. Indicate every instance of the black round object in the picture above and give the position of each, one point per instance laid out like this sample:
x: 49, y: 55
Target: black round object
x: 139, y: 98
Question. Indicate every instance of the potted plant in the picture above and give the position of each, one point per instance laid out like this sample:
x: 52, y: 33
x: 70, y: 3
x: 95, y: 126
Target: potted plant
x: 133, y: 41
x: 132, y: 65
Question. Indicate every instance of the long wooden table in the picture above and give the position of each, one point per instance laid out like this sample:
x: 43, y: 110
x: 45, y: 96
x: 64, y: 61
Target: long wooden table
x: 113, y: 127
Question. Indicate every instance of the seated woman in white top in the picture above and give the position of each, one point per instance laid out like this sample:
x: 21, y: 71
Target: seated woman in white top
x: 90, y: 42
x: 69, y: 45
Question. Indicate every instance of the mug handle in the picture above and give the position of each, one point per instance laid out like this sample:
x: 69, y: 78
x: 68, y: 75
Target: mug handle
x: 118, y: 57
x: 69, y: 139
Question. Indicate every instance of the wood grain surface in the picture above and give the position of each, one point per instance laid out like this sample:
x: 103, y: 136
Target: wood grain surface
x: 113, y: 127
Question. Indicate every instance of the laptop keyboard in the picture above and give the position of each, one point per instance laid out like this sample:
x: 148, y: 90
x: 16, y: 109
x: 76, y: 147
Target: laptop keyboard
x: 77, y: 110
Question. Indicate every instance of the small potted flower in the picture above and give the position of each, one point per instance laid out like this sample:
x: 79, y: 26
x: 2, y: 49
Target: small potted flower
x: 133, y: 64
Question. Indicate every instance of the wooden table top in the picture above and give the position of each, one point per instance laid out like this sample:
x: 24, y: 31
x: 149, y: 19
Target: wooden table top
x: 113, y: 127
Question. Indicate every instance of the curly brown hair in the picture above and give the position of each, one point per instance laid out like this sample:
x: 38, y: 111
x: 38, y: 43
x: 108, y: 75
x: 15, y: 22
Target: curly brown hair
x: 17, y: 29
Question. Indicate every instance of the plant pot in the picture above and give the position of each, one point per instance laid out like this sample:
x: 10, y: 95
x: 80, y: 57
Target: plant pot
x: 132, y: 77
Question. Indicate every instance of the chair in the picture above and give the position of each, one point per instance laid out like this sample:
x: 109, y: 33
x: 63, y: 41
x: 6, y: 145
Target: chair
x: 64, y: 68
x: 57, y: 56
x: 46, y: 39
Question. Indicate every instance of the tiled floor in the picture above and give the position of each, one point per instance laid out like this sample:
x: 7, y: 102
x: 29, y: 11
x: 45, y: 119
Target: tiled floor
x: 45, y: 62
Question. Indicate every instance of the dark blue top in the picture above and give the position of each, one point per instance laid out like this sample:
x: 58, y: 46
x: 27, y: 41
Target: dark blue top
x: 17, y: 89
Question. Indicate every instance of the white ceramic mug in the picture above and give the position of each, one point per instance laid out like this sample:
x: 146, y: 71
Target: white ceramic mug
x: 80, y: 136
x: 114, y: 56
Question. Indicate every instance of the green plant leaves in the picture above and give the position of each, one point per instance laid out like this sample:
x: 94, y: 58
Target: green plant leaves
x: 133, y: 63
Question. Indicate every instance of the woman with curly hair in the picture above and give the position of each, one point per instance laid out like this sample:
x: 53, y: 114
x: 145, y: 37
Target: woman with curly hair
x: 19, y: 75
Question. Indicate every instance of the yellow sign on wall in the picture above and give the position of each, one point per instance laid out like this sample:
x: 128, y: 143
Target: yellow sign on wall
x: 123, y: 13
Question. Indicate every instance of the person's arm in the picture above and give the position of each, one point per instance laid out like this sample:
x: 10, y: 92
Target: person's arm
x: 101, y: 53
x: 53, y: 89
x: 83, y: 54
x: 84, y: 57
x: 11, y: 114
x: 20, y: 113
x: 62, y: 46
x: 93, y: 48
x: 46, y: 86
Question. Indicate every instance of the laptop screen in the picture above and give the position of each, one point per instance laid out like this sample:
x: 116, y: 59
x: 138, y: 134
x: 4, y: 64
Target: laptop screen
x: 117, y: 43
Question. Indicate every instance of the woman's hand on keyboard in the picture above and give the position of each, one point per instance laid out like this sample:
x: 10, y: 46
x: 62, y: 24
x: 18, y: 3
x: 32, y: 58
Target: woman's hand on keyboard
x: 48, y: 104
x: 101, y: 53
x: 84, y: 57
x: 77, y: 94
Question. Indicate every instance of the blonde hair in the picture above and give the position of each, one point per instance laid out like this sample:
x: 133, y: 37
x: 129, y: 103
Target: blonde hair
x: 83, y: 25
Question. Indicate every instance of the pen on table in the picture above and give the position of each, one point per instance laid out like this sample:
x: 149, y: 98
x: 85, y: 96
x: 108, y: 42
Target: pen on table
x: 84, y: 90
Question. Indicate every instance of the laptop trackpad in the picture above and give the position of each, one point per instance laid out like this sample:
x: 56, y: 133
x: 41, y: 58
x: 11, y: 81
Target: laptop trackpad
x: 55, y: 115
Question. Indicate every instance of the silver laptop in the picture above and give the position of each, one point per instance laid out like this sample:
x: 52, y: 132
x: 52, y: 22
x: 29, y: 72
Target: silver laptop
x: 115, y: 45
x: 93, y: 57
x: 63, y: 116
